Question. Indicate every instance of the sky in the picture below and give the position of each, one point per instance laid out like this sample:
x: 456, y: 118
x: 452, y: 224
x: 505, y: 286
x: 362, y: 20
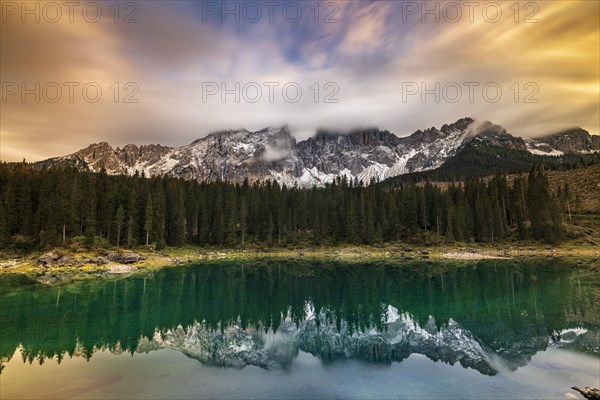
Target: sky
x: 171, y: 72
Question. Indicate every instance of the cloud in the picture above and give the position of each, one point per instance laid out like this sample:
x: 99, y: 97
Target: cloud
x: 476, y: 127
x: 369, y: 55
x: 273, y: 154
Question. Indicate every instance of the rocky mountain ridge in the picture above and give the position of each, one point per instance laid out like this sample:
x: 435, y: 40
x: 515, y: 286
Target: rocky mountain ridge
x: 365, y: 155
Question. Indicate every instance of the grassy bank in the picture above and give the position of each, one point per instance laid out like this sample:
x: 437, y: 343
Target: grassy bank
x: 102, y: 261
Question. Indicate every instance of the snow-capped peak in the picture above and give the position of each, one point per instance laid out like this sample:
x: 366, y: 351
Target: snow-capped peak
x: 272, y: 153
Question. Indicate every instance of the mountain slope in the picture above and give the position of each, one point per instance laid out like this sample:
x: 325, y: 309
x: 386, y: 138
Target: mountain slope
x: 574, y: 140
x: 365, y: 155
x: 477, y: 159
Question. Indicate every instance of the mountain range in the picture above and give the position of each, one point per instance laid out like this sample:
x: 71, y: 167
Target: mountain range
x: 365, y: 155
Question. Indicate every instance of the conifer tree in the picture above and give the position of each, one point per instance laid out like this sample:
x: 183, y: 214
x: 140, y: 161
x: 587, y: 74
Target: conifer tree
x: 148, y: 219
x: 119, y: 221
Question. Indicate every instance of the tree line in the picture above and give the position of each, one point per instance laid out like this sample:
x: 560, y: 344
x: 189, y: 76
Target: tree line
x: 45, y: 207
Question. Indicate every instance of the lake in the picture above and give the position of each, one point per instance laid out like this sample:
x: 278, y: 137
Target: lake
x: 305, y: 329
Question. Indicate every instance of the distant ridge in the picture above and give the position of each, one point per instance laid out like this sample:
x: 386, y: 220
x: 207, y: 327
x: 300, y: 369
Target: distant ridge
x: 364, y: 155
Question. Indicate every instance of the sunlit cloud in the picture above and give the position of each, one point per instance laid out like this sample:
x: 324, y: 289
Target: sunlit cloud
x: 370, y: 52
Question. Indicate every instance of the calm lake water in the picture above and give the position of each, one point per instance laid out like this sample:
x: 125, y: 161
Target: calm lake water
x: 310, y: 329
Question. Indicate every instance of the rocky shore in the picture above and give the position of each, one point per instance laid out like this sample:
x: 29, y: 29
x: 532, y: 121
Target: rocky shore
x: 61, y: 264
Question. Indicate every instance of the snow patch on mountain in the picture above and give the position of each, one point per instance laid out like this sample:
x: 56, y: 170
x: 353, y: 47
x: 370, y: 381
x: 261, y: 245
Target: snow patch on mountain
x: 366, y: 155
x: 541, y: 149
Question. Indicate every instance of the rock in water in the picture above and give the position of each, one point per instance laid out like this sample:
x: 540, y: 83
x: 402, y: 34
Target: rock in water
x: 589, y: 393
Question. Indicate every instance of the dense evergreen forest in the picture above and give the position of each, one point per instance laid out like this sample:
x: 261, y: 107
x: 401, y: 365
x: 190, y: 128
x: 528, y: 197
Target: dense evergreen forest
x: 47, y: 207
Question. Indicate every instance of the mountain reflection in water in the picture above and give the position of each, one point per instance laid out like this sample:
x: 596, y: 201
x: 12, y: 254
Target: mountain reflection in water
x: 233, y: 314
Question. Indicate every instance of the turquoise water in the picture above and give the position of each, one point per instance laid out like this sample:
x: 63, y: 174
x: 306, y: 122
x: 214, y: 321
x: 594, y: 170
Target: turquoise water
x: 277, y: 329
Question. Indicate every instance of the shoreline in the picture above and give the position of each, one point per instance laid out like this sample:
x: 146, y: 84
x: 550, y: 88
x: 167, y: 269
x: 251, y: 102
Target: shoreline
x: 127, y: 261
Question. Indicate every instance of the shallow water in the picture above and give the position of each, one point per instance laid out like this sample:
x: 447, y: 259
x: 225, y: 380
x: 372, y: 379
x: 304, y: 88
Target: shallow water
x: 311, y: 329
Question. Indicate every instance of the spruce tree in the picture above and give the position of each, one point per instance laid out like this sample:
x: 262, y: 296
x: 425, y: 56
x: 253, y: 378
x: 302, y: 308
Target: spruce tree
x: 119, y: 221
x: 148, y: 219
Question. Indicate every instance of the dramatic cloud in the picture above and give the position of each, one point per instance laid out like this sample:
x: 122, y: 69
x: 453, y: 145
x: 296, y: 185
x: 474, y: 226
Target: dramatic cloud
x: 386, y: 64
